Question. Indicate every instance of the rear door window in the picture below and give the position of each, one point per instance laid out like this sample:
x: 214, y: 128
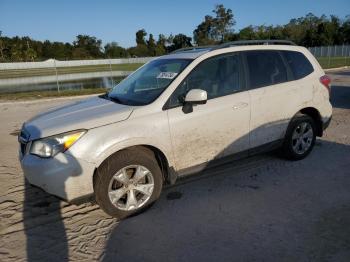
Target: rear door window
x: 265, y: 68
x: 298, y: 63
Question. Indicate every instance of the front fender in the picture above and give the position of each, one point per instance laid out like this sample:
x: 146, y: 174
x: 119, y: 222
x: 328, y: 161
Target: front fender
x: 99, y: 143
x: 139, y: 141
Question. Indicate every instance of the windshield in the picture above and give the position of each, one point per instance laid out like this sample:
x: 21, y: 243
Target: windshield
x: 147, y: 83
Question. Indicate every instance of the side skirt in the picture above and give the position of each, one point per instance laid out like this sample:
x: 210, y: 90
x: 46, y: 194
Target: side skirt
x: 232, y: 158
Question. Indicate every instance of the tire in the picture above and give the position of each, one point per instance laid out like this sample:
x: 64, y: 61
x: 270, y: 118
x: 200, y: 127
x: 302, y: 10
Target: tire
x: 301, y: 132
x: 120, y: 179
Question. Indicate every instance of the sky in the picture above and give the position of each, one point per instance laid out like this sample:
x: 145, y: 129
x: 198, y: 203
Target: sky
x: 108, y: 20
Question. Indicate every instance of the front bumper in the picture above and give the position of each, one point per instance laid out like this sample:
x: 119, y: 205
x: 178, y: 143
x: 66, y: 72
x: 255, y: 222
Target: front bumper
x: 63, y: 175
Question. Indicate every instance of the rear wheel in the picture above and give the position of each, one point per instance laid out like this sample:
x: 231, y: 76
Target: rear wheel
x: 300, y: 137
x: 128, y: 182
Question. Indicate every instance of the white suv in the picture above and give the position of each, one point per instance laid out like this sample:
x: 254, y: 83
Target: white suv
x: 174, y: 116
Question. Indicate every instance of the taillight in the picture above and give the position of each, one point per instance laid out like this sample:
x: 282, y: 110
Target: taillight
x: 326, y: 81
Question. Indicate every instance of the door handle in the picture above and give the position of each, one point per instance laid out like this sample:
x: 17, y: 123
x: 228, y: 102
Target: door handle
x: 240, y: 105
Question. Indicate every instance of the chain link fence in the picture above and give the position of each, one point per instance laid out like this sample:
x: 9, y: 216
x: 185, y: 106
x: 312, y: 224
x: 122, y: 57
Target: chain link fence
x: 332, y: 56
x: 105, y: 73
x: 66, y: 75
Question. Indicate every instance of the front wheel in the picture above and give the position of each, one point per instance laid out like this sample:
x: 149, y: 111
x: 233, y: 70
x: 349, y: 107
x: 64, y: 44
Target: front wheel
x: 128, y: 182
x: 300, y: 137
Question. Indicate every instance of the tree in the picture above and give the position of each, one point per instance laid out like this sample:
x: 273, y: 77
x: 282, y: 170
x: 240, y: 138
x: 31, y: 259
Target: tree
x: 141, y: 48
x: 57, y: 50
x: 345, y: 30
x: 140, y: 37
x: 180, y: 41
x: 151, y: 44
x: 138, y: 51
x: 204, y: 33
x: 16, y: 51
x: 113, y: 50
x: 215, y: 29
x: 29, y: 53
x: 80, y: 53
x: 223, y: 23
x: 329, y: 30
x: 247, y: 33
x: 161, y: 45
x: 87, y: 46
x: 309, y: 30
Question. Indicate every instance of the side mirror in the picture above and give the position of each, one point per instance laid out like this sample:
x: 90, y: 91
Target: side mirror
x: 194, y: 97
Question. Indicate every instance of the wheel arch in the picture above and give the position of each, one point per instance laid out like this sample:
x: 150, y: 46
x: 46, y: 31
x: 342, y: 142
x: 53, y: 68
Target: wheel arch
x: 163, y: 162
x: 316, y: 116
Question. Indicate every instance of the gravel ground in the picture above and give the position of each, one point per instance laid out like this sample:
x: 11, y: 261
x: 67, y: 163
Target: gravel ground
x: 262, y: 208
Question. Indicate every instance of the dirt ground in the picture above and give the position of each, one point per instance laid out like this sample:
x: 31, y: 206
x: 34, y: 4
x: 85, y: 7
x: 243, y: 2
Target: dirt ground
x: 263, y: 208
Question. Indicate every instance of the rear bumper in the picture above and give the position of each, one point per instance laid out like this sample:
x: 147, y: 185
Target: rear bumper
x: 64, y: 176
x: 326, y: 123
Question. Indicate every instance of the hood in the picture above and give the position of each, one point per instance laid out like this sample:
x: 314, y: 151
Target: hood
x: 85, y: 114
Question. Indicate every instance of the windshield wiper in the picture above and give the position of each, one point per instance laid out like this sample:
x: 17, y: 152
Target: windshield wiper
x: 111, y: 98
x: 114, y: 99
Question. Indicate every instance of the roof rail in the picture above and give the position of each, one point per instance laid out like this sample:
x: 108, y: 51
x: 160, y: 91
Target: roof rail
x: 234, y: 43
x: 193, y: 48
x: 254, y: 42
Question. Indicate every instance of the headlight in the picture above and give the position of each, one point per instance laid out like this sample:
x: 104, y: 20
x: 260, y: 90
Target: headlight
x: 50, y: 146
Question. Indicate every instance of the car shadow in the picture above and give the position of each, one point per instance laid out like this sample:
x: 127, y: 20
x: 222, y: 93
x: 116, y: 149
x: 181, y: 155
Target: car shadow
x: 252, y: 210
x: 46, y: 238
x: 43, y: 226
x: 340, y: 96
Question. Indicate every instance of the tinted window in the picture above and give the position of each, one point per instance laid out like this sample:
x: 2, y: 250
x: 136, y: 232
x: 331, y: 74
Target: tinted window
x: 298, y: 63
x: 218, y: 76
x: 265, y: 68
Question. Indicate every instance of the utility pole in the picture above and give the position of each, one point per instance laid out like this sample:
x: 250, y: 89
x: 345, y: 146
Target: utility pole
x: 2, y: 54
x: 58, y: 84
x: 110, y: 68
x: 329, y: 56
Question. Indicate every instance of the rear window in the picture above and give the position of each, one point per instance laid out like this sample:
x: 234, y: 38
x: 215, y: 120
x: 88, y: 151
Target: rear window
x: 265, y: 68
x: 298, y: 63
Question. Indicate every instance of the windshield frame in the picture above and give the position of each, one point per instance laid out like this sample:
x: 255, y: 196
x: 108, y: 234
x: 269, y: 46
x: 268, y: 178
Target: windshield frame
x: 125, y: 101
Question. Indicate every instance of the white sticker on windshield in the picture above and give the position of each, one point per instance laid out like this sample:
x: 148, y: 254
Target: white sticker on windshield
x: 167, y: 75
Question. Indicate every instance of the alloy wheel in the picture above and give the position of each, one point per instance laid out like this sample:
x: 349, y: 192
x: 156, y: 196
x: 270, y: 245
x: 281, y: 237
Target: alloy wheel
x: 131, y: 187
x: 302, y: 138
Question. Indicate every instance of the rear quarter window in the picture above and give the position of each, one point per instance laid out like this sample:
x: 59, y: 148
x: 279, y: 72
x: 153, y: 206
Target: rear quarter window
x: 265, y: 68
x: 298, y: 63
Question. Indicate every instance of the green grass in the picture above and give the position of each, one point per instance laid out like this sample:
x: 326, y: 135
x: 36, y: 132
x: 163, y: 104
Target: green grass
x: 14, y: 73
x: 49, y: 94
x: 333, y: 62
